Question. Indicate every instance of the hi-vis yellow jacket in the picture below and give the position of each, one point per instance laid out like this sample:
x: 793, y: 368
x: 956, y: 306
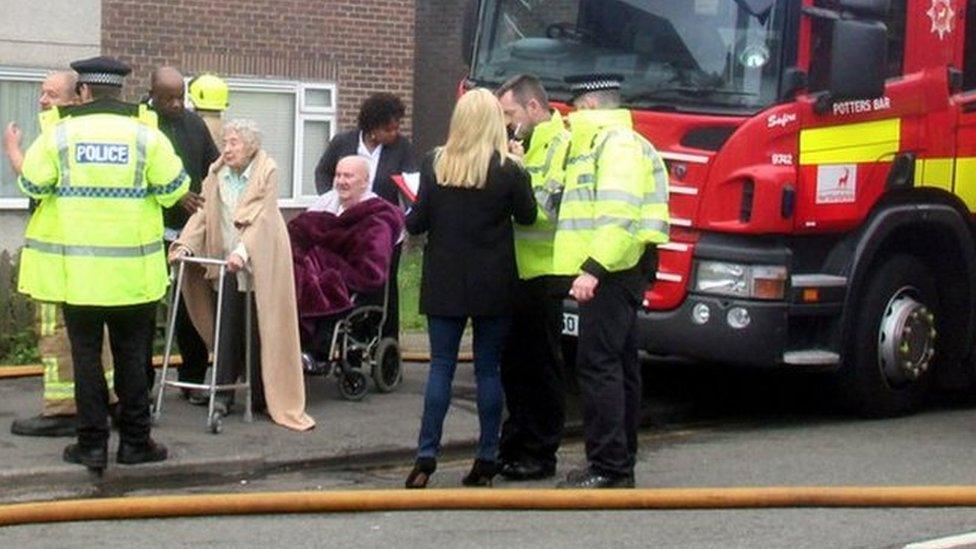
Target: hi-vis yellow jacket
x: 102, y: 172
x: 544, y: 161
x: 615, y: 201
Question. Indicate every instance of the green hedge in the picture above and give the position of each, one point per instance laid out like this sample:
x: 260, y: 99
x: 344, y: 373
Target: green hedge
x: 18, y: 338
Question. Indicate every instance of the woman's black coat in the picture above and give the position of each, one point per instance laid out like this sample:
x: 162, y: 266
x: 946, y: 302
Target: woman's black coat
x: 469, y: 260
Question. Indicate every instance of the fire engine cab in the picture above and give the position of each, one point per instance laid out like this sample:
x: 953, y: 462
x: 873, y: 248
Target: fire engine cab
x: 822, y: 158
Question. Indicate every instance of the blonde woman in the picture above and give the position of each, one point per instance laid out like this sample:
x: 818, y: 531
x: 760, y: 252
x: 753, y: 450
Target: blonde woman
x: 470, y: 190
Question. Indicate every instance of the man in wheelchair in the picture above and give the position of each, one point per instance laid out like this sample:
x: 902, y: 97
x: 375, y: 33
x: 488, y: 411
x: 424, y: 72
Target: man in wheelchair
x: 342, y: 248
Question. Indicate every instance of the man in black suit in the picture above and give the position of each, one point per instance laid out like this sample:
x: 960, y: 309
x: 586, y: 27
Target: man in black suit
x: 378, y: 139
x: 193, y: 144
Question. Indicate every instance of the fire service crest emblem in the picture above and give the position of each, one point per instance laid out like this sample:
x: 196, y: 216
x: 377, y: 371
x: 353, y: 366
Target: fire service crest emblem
x: 942, y: 16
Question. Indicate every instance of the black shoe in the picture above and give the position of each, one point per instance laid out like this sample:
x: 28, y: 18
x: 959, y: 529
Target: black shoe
x: 45, y: 426
x: 482, y: 471
x: 130, y: 454
x: 422, y: 470
x: 593, y: 480
x: 312, y: 366
x: 222, y: 407
x: 527, y: 469
x: 197, y: 397
x: 93, y: 458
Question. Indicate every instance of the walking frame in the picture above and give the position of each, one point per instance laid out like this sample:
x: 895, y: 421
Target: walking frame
x: 214, y: 420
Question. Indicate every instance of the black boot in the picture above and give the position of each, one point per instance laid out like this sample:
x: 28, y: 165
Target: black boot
x: 422, y: 470
x: 94, y: 458
x: 527, y: 469
x: 593, y: 480
x: 132, y: 454
x: 44, y: 426
x: 482, y: 471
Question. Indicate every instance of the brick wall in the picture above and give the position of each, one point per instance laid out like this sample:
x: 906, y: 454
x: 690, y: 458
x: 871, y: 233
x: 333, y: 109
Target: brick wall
x: 363, y: 45
x: 439, y: 69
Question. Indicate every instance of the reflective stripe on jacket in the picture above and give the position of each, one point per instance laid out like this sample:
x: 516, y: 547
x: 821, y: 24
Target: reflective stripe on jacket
x: 102, y: 178
x: 544, y: 161
x: 615, y: 201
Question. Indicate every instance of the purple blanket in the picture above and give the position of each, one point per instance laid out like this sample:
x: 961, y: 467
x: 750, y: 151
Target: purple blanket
x: 336, y: 256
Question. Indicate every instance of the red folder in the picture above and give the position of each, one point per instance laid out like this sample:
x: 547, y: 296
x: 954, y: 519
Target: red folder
x: 408, y: 194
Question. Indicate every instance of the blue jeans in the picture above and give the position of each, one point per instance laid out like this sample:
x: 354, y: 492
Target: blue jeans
x: 445, y: 332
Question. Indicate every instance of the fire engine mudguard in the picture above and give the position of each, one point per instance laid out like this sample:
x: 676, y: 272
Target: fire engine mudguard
x: 922, y: 254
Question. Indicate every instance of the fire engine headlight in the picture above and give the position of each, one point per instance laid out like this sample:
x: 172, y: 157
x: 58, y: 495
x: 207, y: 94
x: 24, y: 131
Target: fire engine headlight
x: 738, y: 280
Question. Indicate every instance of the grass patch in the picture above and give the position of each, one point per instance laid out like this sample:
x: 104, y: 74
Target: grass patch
x: 408, y: 279
x: 19, y: 348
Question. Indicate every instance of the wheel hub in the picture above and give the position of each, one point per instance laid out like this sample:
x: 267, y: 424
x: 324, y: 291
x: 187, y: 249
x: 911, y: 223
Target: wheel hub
x: 906, y: 340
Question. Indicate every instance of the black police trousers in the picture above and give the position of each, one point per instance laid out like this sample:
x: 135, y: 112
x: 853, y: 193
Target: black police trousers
x: 610, y: 379
x: 533, y: 378
x: 131, y: 329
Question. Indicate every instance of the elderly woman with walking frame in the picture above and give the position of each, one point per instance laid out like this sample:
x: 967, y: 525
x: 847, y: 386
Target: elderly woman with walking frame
x: 240, y: 222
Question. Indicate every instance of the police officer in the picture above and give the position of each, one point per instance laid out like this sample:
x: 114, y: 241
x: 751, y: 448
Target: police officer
x: 57, y: 417
x: 532, y: 370
x: 612, y: 214
x: 107, y: 171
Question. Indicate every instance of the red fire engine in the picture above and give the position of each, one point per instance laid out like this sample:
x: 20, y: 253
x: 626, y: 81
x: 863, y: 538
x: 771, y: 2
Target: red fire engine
x: 822, y: 156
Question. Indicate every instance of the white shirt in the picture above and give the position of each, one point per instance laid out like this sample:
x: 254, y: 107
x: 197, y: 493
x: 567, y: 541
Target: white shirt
x: 329, y: 202
x: 373, y: 157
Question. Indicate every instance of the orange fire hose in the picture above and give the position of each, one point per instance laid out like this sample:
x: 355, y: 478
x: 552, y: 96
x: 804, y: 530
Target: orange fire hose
x: 36, y: 370
x: 501, y: 499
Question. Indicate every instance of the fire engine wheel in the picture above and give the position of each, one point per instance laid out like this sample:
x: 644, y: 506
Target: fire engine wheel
x: 891, y: 355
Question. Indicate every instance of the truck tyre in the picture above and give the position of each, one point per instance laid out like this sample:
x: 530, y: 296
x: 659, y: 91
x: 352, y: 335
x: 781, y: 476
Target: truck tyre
x: 890, y: 356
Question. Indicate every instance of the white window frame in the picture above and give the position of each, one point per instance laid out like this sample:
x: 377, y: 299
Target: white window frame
x: 302, y: 114
x: 19, y: 75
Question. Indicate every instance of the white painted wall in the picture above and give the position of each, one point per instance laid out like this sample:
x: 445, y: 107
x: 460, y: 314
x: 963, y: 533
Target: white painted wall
x: 49, y: 33
x: 44, y: 34
x: 12, y: 225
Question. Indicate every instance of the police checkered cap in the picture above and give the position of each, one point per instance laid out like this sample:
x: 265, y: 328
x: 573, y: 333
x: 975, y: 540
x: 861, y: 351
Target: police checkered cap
x: 105, y: 71
x: 586, y: 83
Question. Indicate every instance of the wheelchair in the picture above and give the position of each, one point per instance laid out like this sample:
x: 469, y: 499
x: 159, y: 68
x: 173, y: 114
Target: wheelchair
x: 358, y: 351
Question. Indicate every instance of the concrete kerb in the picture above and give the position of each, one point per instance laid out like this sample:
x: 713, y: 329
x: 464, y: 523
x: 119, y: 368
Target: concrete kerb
x: 375, y: 433
x: 37, y: 483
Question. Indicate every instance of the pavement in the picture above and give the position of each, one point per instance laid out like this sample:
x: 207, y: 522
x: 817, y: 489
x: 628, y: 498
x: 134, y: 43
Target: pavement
x: 379, y: 430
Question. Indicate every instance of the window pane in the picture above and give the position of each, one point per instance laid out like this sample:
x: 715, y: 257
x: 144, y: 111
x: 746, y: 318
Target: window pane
x: 315, y: 138
x: 317, y: 99
x: 18, y: 103
x: 896, y: 38
x: 274, y: 113
x: 969, y: 66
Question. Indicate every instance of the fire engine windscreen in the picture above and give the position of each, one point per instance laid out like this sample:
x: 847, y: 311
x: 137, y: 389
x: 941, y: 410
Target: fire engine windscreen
x: 696, y: 55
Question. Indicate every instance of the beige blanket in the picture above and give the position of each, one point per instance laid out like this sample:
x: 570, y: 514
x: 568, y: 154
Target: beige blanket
x: 262, y: 231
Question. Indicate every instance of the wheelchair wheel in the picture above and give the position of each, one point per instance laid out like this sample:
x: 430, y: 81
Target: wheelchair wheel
x: 387, y: 367
x: 353, y: 384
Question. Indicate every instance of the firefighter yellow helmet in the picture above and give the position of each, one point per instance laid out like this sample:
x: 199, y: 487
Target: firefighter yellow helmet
x: 208, y: 92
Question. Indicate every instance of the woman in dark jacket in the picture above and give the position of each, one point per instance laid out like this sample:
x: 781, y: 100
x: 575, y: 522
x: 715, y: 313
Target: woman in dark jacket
x: 377, y: 138
x: 470, y: 189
